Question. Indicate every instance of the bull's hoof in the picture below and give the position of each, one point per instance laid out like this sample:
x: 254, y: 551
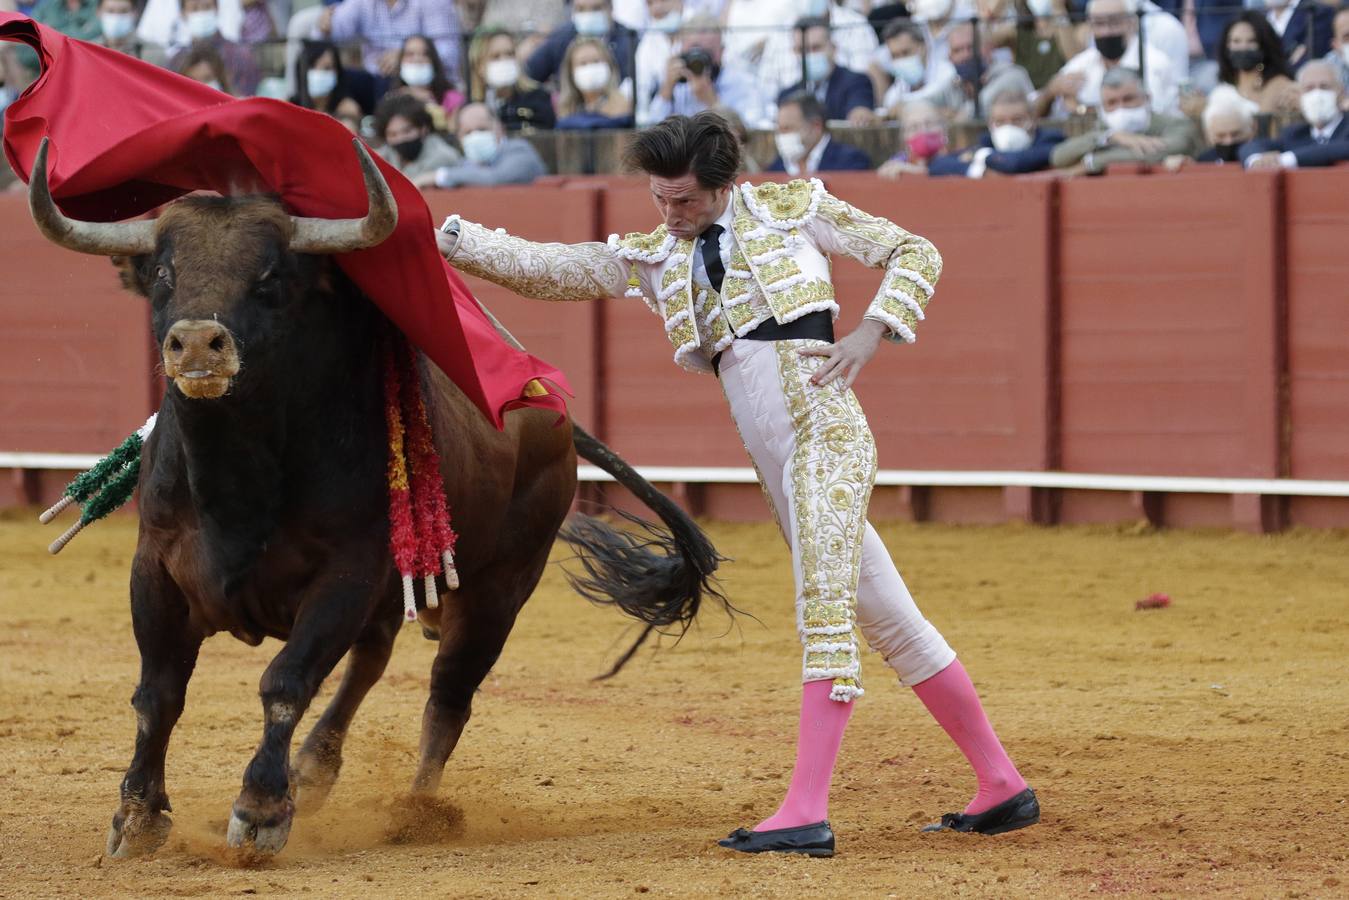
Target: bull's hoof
x: 137, y: 832
x: 312, y: 780
x: 266, y: 837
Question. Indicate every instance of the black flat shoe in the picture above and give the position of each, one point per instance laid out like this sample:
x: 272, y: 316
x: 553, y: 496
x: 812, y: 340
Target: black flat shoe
x: 1009, y: 815
x: 816, y: 839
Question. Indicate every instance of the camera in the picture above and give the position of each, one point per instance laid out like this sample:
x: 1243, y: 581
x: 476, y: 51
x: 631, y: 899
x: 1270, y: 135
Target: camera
x: 697, y: 60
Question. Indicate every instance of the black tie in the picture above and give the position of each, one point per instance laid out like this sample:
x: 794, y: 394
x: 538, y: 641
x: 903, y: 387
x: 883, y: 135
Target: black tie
x: 711, y: 239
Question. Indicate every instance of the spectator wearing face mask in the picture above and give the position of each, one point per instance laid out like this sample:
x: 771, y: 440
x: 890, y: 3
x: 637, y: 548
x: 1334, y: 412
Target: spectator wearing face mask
x: 381, y: 27
x: 1303, y: 26
x: 75, y: 18
x: 1229, y: 122
x: 590, y: 96
x: 1250, y: 59
x: 163, y: 23
x: 924, y: 131
x: 938, y: 18
x: 422, y: 75
x: 410, y: 144
x: 984, y: 76
x: 695, y: 80
x: 906, y: 71
x: 1323, y: 140
x: 117, y: 24
x: 1131, y: 130
x: 1114, y: 29
x: 1012, y: 145
x: 590, y: 19
x: 323, y: 85
x: 655, y: 49
x: 1339, y: 45
x: 1042, y: 38
x: 202, y: 24
x: 202, y: 63
x: 490, y: 158
x: 853, y: 38
x: 498, y: 81
x: 803, y: 142
x: 843, y: 93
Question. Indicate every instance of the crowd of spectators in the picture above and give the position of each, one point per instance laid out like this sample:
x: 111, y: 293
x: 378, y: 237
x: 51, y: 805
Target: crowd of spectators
x: 451, y: 90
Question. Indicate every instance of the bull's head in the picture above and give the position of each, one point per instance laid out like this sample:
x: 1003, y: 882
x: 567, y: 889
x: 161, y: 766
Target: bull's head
x: 218, y: 272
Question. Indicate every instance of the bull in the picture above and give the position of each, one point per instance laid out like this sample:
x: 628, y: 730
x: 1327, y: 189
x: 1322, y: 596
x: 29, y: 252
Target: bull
x: 263, y: 503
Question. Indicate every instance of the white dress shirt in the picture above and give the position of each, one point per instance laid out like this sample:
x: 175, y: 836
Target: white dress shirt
x: 725, y: 220
x: 1162, y: 76
x: 812, y: 160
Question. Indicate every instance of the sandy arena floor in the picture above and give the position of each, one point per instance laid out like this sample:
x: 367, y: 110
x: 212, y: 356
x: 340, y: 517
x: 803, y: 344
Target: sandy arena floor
x: 1199, y: 749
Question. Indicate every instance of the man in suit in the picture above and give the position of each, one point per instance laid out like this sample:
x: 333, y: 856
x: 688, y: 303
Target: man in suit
x: 804, y: 145
x: 1131, y: 131
x: 844, y: 93
x: 1012, y: 144
x: 1323, y: 140
x: 1304, y: 26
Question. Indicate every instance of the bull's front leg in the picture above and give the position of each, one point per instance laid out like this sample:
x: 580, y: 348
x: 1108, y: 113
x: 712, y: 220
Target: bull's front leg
x: 329, y: 621
x: 168, y: 647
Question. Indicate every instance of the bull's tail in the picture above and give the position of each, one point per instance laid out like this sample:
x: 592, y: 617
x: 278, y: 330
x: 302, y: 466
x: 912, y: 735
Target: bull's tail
x: 658, y: 575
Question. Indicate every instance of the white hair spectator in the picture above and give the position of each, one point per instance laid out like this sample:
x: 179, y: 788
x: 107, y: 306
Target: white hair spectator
x: 1225, y: 101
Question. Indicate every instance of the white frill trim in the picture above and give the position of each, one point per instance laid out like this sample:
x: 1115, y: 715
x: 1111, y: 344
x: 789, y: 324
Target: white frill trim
x: 648, y: 256
x: 845, y: 693
x: 778, y: 287
x: 635, y: 292
x: 742, y: 275
x: 752, y: 324
x: 836, y: 647
x: 738, y: 301
x: 723, y: 343
x: 911, y: 304
x: 814, y: 674
x: 809, y: 308
x: 917, y: 279
x: 897, y: 327
x: 816, y: 194
x: 764, y: 259
x: 676, y: 320
x: 827, y: 630
x: 701, y: 300
x: 687, y: 357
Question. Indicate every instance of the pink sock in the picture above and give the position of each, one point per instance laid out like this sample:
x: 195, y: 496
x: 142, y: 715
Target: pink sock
x: 821, y: 733
x: 951, y: 699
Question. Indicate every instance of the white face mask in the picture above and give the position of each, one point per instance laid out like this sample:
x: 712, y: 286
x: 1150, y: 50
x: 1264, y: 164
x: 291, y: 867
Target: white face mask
x: 1320, y: 107
x: 416, y: 74
x: 930, y: 10
x: 1344, y: 53
x: 817, y: 66
x: 320, y: 81
x: 591, y: 76
x: 117, y: 25
x: 668, y: 23
x: 909, y: 69
x: 479, y: 146
x: 201, y: 24
x: 1041, y: 8
x: 1010, y: 138
x: 791, y: 146
x: 501, y: 73
x: 1128, y: 119
x: 591, y: 24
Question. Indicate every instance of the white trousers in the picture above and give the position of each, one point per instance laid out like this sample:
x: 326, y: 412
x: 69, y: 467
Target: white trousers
x: 816, y: 460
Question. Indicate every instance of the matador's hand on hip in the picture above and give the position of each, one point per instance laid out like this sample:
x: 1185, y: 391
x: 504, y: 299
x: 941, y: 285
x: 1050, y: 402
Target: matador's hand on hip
x: 846, y: 356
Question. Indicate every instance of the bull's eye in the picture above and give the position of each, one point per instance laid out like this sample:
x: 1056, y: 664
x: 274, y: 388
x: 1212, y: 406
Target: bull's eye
x: 162, y: 274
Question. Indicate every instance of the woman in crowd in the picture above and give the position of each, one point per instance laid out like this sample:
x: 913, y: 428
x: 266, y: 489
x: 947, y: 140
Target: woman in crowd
x: 1251, y: 59
x: 905, y: 71
x: 499, y: 81
x: 202, y: 63
x: 924, y: 131
x: 591, y: 97
x: 322, y: 84
x: 411, y: 144
x: 421, y: 74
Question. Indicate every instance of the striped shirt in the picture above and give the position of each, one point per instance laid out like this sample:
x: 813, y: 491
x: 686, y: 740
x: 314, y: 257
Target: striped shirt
x: 381, y: 27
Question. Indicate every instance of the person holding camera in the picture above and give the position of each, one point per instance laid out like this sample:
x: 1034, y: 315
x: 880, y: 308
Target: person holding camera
x: 695, y: 80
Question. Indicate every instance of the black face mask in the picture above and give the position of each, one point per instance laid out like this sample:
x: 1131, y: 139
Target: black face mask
x: 969, y: 71
x: 1227, y: 152
x: 1246, y: 60
x: 1112, y: 47
x: 408, y: 150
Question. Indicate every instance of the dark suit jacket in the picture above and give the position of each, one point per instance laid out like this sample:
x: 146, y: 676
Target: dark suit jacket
x: 836, y: 158
x: 1297, y: 139
x: 845, y: 91
x: 1034, y: 158
x: 1311, y: 25
x: 545, y: 62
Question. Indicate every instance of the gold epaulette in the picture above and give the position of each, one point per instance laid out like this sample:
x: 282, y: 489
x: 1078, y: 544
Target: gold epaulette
x: 784, y: 206
x: 639, y: 246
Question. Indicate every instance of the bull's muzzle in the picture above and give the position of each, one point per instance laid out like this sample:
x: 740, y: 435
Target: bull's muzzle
x: 201, y: 357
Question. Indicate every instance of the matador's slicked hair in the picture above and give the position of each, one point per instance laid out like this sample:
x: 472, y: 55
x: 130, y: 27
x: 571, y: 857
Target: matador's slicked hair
x: 703, y: 145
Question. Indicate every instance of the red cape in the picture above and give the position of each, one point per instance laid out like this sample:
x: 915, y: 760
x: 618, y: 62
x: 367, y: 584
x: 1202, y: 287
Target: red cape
x: 126, y: 137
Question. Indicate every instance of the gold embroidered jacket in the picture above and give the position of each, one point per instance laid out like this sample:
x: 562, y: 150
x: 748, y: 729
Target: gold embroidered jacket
x: 778, y: 267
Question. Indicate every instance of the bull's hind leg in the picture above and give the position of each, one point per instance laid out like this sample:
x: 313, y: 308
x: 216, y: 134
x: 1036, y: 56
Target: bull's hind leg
x: 475, y: 622
x: 168, y: 647
x: 327, y: 625
x: 320, y: 759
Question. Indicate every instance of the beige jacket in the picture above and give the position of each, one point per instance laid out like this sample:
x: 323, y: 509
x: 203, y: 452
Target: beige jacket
x: 777, y: 267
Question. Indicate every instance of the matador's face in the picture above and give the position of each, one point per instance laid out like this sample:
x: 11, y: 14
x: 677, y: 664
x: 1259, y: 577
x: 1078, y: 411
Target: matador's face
x: 686, y: 207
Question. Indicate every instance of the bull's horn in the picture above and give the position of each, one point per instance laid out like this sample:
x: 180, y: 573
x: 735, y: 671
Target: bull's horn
x: 345, y: 235
x: 99, y: 238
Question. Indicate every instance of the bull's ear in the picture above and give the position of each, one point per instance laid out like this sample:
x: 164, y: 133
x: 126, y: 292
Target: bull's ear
x: 134, y: 272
